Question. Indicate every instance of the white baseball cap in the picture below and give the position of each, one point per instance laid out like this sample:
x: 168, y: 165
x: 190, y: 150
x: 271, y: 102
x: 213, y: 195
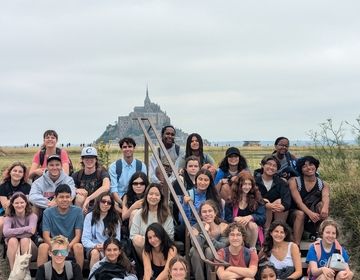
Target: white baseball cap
x: 89, y: 152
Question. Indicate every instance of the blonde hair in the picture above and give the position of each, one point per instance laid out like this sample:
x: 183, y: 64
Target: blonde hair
x: 59, y: 240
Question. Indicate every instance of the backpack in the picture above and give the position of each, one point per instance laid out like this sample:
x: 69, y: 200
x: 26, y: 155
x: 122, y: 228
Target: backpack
x: 68, y: 270
x: 246, y: 255
x: 108, y: 270
x: 58, y: 152
x: 119, y: 167
x: 81, y: 173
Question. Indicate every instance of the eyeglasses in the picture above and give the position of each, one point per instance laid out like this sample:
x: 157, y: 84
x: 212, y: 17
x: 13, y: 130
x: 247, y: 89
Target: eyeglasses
x: 138, y: 184
x: 283, y: 145
x: 62, y: 252
x: 106, y: 202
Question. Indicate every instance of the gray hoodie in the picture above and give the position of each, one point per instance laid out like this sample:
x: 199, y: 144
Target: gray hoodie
x: 43, y: 188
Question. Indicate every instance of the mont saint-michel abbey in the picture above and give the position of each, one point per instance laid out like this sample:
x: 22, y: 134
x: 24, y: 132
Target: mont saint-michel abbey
x: 126, y: 126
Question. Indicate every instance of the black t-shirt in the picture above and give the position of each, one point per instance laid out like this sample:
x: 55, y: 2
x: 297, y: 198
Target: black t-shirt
x: 90, y: 182
x: 7, y: 189
x: 77, y: 274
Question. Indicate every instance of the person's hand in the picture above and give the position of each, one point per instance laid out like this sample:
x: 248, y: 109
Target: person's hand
x: 99, y: 247
x: 82, y: 192
x: 52, y: 203
x: 137, y: 204
x: 86, y: 205
x: 187, y: 199
x: 207, y: 227
x: 278, y: 207
x: 314, y: 217
x: 328, y: 272
x: 324, y: 213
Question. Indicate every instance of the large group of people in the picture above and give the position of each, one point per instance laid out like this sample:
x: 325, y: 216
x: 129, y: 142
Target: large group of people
x: 128, y: 225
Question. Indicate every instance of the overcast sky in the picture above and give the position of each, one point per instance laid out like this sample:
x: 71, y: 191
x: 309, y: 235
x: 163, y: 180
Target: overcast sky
x: 229, y: 70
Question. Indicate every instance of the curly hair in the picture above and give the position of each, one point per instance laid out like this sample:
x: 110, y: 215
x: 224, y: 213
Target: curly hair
x: 269, y: 242
x: 235, y: 225
x: 253, y: 197
x: 11, y: 209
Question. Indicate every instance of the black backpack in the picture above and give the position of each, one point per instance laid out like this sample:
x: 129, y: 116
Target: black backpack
x: 58, y: 152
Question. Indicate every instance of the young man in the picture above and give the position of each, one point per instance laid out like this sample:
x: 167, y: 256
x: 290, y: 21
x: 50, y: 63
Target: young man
x: 243, y: 261
x: 311, y: 196
x: 121, y: 170
x: 64, y: 219
x: 168, y: 138
x: 39, y: 163
x: 43, y: 189
x: 58, y: 267
x: 91, y: 180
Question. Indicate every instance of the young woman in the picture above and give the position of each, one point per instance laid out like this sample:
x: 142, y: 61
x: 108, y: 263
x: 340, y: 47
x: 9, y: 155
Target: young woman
x: 279, y: 250
x: 133, y: 199
x: 216, y: 229
x: 103, y: 222
x: 47, y: 149
x: 266, y: 271
x: 230, y: 166
x: 14, y: 180
x: 274, y: 190
x: 287, y: 160
x: 158, y: 251
x: 19, y: 227
x: 246, y: 207
x: 178, y: 268
x: 115, y: 264
x: 203, y: 190
x: 320, y: 252
x: 195, y: 147
x: 154, y: 209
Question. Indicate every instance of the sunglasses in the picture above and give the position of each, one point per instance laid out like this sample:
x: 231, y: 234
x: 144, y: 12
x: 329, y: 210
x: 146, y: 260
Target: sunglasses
x: 106, y: 202
x: 138, y: 184
x: 62, y: 252
x: 266, y: 263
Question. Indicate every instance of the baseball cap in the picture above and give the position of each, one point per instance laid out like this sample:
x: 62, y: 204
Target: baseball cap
x: 89, y: 152
x: 232, y: 151
x: 53, y: 157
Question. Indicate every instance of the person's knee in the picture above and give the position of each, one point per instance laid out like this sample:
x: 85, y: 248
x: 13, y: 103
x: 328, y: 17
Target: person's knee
x: 299, y: 215
x: 253, y: 227
x: 43, y: 248
x: 12, y: 243
x: 78, y: 248
x: 138, y: 241
x: 94, y: 255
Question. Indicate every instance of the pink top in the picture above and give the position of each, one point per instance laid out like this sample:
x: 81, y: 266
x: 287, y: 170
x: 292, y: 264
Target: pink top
x: 19, y: 227
x: 63, y: 154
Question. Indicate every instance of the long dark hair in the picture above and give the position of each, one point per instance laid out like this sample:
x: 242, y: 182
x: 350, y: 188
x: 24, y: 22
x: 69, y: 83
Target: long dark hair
x: 11, y: 209
x: 189, y: 151
x: 269, y: 242
x: 211, y: 192
x: 111, y: 219
x: 162, y: 209
x: 253, y: 196
x: 166, y: 242
x: 224, y: 164
x: 122, y: 258
x: 7, y: 177
x: 130, y: 194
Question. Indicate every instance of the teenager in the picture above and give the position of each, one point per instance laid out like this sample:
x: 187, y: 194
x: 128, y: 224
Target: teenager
x: 178, y: 268
x: 115, y: 265
x: 101, y: 223
x: 58, y: 268
x: 64, y: 219
x: 19, y: 227
x: 287, y: 160
x: 243, y: 261
x: 158, y: 251
x: 91, y: 180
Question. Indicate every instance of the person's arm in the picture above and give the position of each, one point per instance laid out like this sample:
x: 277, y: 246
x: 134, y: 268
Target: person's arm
x: 164, y: 275
x: 223, y: 240
x: 225, y: 274
x: 36, y: 196
x: 76, y: 238
x: 246, y: 272
x: 285, y: 194
x: 126, y: 212
x: 147, y: 266
x: 325, y: 199
x: 86, y: 237
x: 4, y: 202
x: 259, y: 215
x: 296, y: 258
x: 169, y: 226
x: 36, y: 169
x: 13, y: 232
x: 152, y: 170
x: 46, y: 237
x: 136, y: 224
